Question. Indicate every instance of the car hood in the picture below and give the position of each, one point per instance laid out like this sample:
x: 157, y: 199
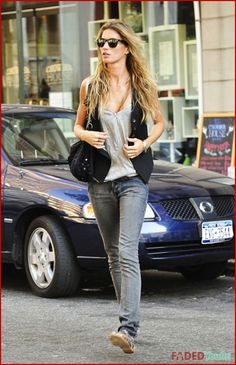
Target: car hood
x: 168, y: 180
x: 58, y: 171
x: 172, y: 180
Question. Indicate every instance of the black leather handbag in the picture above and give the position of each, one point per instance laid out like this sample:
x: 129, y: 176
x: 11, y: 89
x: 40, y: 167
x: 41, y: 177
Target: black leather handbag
x: 81, y: 161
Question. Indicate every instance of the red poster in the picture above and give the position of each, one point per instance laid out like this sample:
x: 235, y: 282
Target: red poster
x: 215, y: 149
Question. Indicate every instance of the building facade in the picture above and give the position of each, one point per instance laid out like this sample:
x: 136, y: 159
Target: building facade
x: 48, y: 48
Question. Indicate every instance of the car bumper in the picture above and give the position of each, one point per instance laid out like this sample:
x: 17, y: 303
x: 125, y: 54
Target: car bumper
x: 177, y: 245
x: 175, y: 255
x: 161, y: 246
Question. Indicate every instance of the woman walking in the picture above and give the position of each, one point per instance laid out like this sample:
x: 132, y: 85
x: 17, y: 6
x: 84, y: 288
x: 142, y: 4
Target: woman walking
x: 119, y: 100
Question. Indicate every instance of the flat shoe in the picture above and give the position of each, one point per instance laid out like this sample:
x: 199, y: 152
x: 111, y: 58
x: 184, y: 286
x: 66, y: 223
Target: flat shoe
x: 123, y: 340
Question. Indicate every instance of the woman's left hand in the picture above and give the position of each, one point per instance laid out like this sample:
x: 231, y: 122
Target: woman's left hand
x: 135, y: 149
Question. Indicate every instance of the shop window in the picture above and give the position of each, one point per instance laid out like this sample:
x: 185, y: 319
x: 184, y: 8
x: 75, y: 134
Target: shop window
x: 182, y: 12
x: 41, y: 48
x: 59, y: 52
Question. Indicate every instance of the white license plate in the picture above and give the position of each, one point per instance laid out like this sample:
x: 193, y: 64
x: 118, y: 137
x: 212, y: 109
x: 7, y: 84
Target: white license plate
x: 217, y: 231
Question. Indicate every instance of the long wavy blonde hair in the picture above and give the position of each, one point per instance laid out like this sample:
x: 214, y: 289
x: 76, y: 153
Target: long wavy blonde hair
x: 141, y: 80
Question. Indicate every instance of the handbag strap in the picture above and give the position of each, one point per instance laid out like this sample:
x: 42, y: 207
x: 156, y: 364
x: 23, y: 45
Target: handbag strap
x: 89, y: 124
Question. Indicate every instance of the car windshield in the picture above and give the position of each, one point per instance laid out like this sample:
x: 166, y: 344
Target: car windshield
x: 37, y: 137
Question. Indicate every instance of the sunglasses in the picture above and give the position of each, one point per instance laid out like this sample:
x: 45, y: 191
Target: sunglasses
x: 112, y: 42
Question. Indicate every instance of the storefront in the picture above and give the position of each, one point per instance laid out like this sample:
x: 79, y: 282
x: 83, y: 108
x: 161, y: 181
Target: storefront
x: 58, y: 50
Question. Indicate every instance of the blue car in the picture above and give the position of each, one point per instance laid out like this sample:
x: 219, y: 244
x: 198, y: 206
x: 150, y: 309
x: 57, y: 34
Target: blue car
x: 49, y: 228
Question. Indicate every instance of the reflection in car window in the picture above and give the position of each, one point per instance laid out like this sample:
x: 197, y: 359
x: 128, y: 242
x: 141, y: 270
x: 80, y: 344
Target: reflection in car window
x: 36, y: 136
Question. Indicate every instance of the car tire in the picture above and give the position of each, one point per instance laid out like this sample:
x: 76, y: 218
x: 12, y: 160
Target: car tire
x: 50, y: 263
x: 206, y: 271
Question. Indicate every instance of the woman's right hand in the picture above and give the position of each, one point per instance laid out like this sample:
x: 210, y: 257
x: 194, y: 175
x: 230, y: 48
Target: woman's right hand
x: 94, y: 138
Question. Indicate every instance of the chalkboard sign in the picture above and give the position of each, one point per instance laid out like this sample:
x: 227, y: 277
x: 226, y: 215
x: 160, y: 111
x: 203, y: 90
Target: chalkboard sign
x: 215, y: 150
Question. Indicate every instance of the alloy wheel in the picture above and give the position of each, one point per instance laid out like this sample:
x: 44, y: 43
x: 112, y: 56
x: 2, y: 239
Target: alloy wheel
x: 41, y: 257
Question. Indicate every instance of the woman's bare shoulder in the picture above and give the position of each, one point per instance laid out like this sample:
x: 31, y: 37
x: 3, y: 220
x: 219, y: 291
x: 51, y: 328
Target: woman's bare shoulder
x: 85, y: 83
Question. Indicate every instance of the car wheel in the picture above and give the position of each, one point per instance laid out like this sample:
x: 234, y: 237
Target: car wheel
x: 207, y: 271
x: 50, y: 263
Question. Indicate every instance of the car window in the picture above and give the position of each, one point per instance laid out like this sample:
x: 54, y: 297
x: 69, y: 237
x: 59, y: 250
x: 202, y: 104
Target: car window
x: 33, y: 137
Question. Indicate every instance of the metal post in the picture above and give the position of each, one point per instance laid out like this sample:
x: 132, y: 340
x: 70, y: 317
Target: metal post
x: 20, y: 51
x: 106, y: 9
x: 197, y: 5
x: 166, y: 12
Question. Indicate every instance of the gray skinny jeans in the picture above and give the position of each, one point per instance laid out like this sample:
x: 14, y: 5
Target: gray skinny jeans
x: 119, y: 208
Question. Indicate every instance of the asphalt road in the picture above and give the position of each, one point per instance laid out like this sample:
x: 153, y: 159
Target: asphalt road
x: 179, y: 320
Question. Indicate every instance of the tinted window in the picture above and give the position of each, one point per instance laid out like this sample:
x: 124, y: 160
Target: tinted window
x: 36, y: 136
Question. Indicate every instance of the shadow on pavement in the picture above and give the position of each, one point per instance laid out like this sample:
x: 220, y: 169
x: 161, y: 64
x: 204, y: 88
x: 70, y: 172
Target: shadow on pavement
x: 97, y: 285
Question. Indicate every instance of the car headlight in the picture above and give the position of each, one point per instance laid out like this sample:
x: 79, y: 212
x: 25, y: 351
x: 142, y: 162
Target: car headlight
x: 88, y: 212
x: 149, y: 213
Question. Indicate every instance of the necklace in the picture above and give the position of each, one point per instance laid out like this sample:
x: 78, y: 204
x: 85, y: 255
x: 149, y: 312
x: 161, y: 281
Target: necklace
x: 120, y: 84
x: 117, y: 101
x: 123, y: 100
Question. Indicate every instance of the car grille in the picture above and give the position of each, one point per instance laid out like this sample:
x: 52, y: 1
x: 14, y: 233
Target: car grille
x: 183, y: 208
x: 173, y: 249
x: 179, y: 209
x: 224, y: 205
